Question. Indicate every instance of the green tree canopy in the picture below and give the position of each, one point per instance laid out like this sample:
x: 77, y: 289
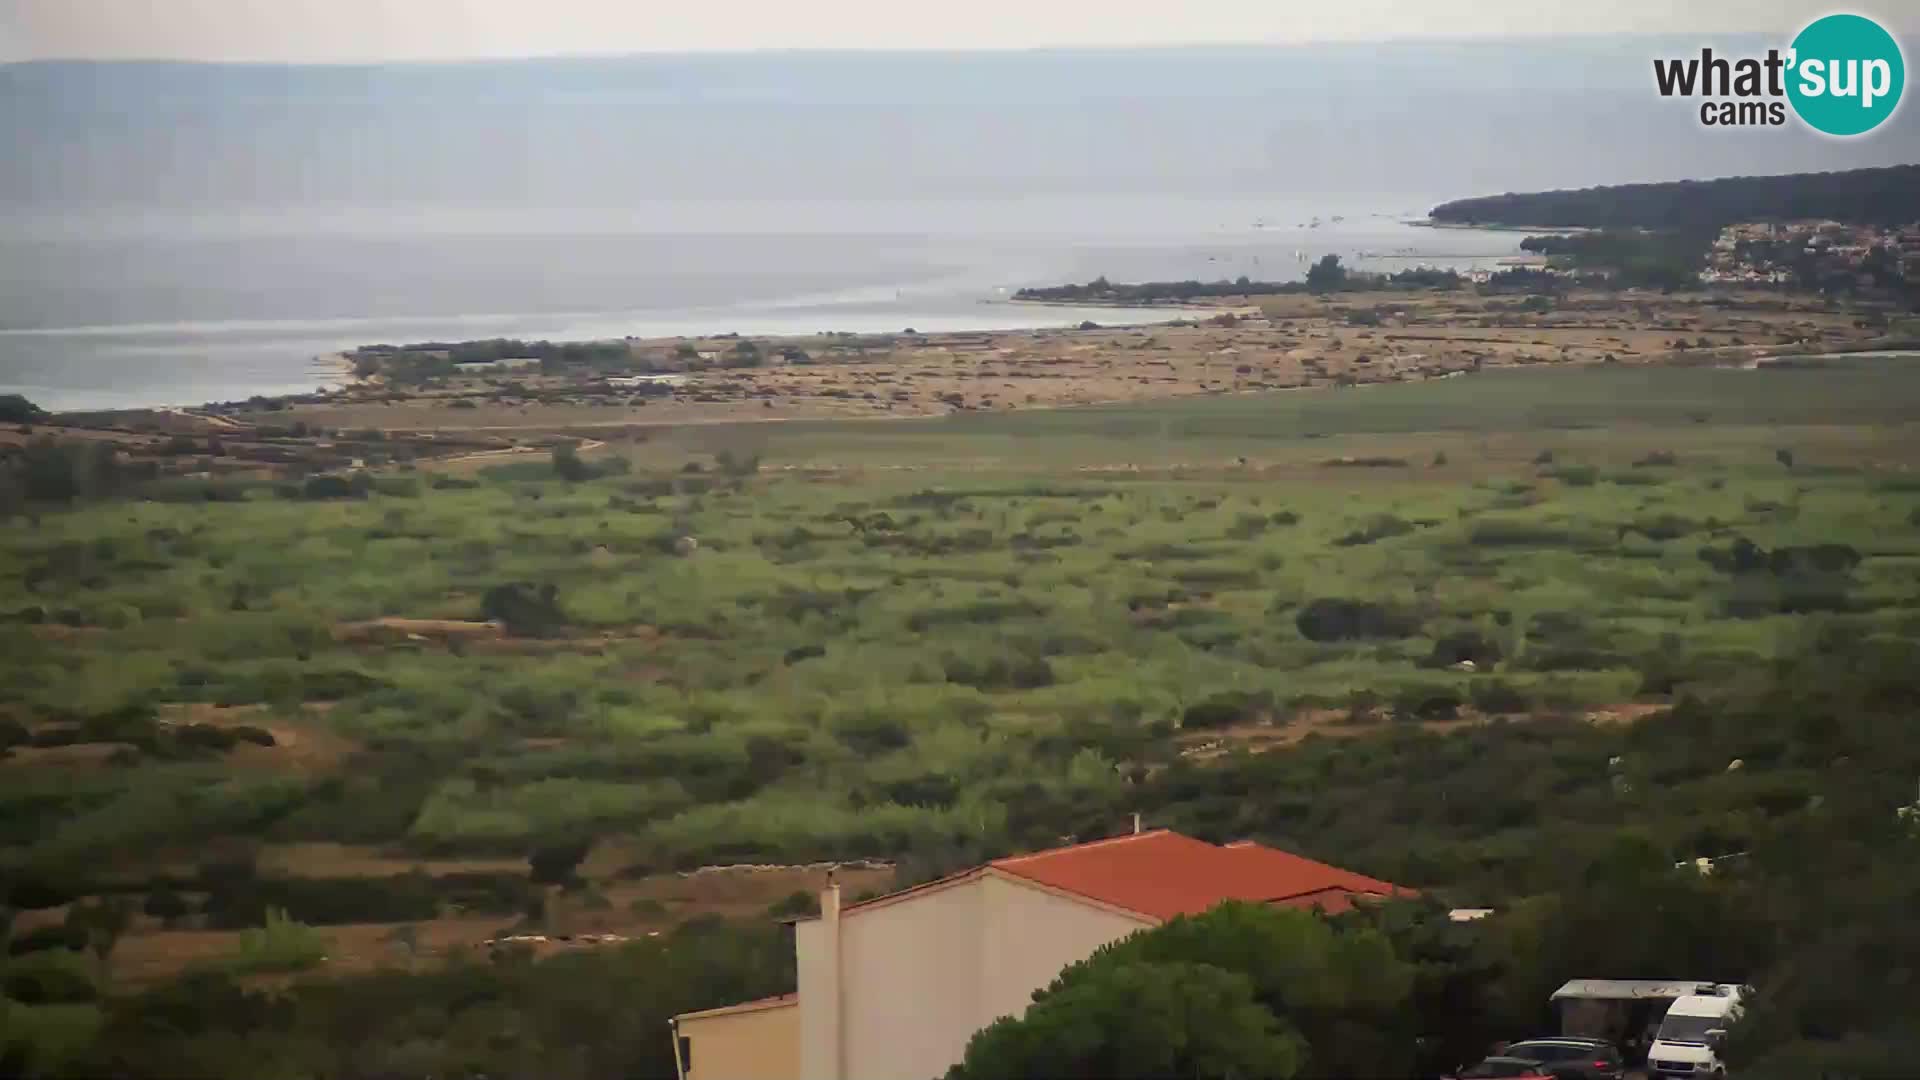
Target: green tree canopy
x: 1321, y: 1000
x: 15, y: 409
x: 1138, y: 1020
x: 1327, y: 275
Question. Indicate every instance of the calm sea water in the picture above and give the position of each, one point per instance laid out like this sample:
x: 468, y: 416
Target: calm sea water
x: 182, y: 312
x: 179, y: 233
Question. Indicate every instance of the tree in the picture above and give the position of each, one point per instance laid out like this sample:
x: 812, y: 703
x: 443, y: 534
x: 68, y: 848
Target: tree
x: 554, y: 864
x: 737, y: 465
x: 1327, y: 275
x: 1326, y: 1002
x: 745, y: 354
x: 1138, y: 1020
x: 165, y: 904
x: 568, y: 466
x: 15, y: 409
x: 525, y: 610
x: 331, y: 486
x: 52, y: 471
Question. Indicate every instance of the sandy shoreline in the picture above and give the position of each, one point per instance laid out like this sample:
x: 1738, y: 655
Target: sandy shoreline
x: 1229, y: 346
x: 1233, y: 345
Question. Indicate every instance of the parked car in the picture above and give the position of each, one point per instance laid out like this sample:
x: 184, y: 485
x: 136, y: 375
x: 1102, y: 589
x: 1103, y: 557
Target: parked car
x: 1571, y: 1058
x: 1517, y: 1068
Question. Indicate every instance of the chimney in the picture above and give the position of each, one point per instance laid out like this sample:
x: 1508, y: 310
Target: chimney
x: 835, y: 996
x: 1136, y: 823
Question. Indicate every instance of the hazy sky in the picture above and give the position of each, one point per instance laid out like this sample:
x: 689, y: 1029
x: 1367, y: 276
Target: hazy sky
x: 360, y: 30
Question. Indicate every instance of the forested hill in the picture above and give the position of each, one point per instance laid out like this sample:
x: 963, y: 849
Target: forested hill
x: 1866, y: 196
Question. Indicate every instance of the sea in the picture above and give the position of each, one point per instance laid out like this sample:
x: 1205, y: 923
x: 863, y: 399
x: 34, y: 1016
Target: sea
x: 174, y: 234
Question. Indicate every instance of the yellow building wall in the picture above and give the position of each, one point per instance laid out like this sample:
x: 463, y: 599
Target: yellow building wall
x: 762, y: 1044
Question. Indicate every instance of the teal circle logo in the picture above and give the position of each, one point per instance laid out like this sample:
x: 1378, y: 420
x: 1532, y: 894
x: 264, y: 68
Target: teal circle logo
x: 1845, y: 75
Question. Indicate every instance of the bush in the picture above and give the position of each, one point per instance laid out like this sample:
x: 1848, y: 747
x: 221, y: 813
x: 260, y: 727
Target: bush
x: 1339, y: 619
x: 799, y: 903
x: 278, y: 945
x: 1572, y: 475
x: 335, y: 486
x: 1509, y: 532
x: 1380, y: 527
x: 1420, y: 703
x: 1464, y: 646
x: 803, y: 652
x: 399, y: 487
x: 1635, y: 479
x: 324, y: 901
x: 871, y: 732
x: 49, y: 977
x: 1224, y: 710
x: 526, y: 610
x: 164, y: 904
x: 1495, y: 697
x: 1000, y: 672
x: 1247, y: 526
x: 568, y: 466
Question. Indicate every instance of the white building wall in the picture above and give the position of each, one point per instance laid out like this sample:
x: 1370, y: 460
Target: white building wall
x: 921, y: 975
x: 1031, y: 935
x: 910, y: 986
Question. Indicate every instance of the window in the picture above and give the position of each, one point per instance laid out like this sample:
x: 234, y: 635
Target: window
x: 686, y: 1054
x: 1549, y: 1051
x: 1489, y: 1069
x: 1689, y: 1029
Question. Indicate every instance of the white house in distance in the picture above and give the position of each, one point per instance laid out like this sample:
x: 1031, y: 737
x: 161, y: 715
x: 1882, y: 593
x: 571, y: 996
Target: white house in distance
x: 892, y: 988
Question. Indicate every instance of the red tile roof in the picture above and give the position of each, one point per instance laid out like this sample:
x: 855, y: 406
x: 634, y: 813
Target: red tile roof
x: 1162, y: 874
x: 1310, y: 875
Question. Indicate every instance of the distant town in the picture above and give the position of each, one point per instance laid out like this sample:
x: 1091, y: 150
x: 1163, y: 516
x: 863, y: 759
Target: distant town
x: 1814, y: 252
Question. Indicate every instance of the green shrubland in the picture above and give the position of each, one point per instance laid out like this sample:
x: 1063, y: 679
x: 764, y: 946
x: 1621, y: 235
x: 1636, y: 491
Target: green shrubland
x: 988, y: 651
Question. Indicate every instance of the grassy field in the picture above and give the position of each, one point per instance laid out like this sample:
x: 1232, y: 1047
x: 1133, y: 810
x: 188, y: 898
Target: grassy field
x: 890, y: 639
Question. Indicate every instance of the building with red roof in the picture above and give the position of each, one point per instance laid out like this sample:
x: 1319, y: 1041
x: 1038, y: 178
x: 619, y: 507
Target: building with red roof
x: 893, y: 987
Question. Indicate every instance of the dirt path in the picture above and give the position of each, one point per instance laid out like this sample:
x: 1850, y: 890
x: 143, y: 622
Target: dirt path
x: 480, y: 459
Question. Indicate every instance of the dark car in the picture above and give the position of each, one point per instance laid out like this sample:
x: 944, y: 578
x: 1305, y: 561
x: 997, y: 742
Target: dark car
x: 1518, y: 1068
x: 1570, y: 1058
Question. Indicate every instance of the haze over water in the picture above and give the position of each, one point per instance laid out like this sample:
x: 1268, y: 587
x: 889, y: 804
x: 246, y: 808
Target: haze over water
x: 181, y: 233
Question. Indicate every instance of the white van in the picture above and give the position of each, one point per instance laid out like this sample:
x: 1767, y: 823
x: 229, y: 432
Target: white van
x: 1692, y: 1035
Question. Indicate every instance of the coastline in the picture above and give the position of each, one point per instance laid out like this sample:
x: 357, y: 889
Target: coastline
x: 427, y: 413
x: 1465, y: 226
x: 1206, y: 342
x: 206, y: 375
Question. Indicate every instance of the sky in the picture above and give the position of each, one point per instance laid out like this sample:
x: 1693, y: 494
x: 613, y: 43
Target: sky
x: 352, y: 31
